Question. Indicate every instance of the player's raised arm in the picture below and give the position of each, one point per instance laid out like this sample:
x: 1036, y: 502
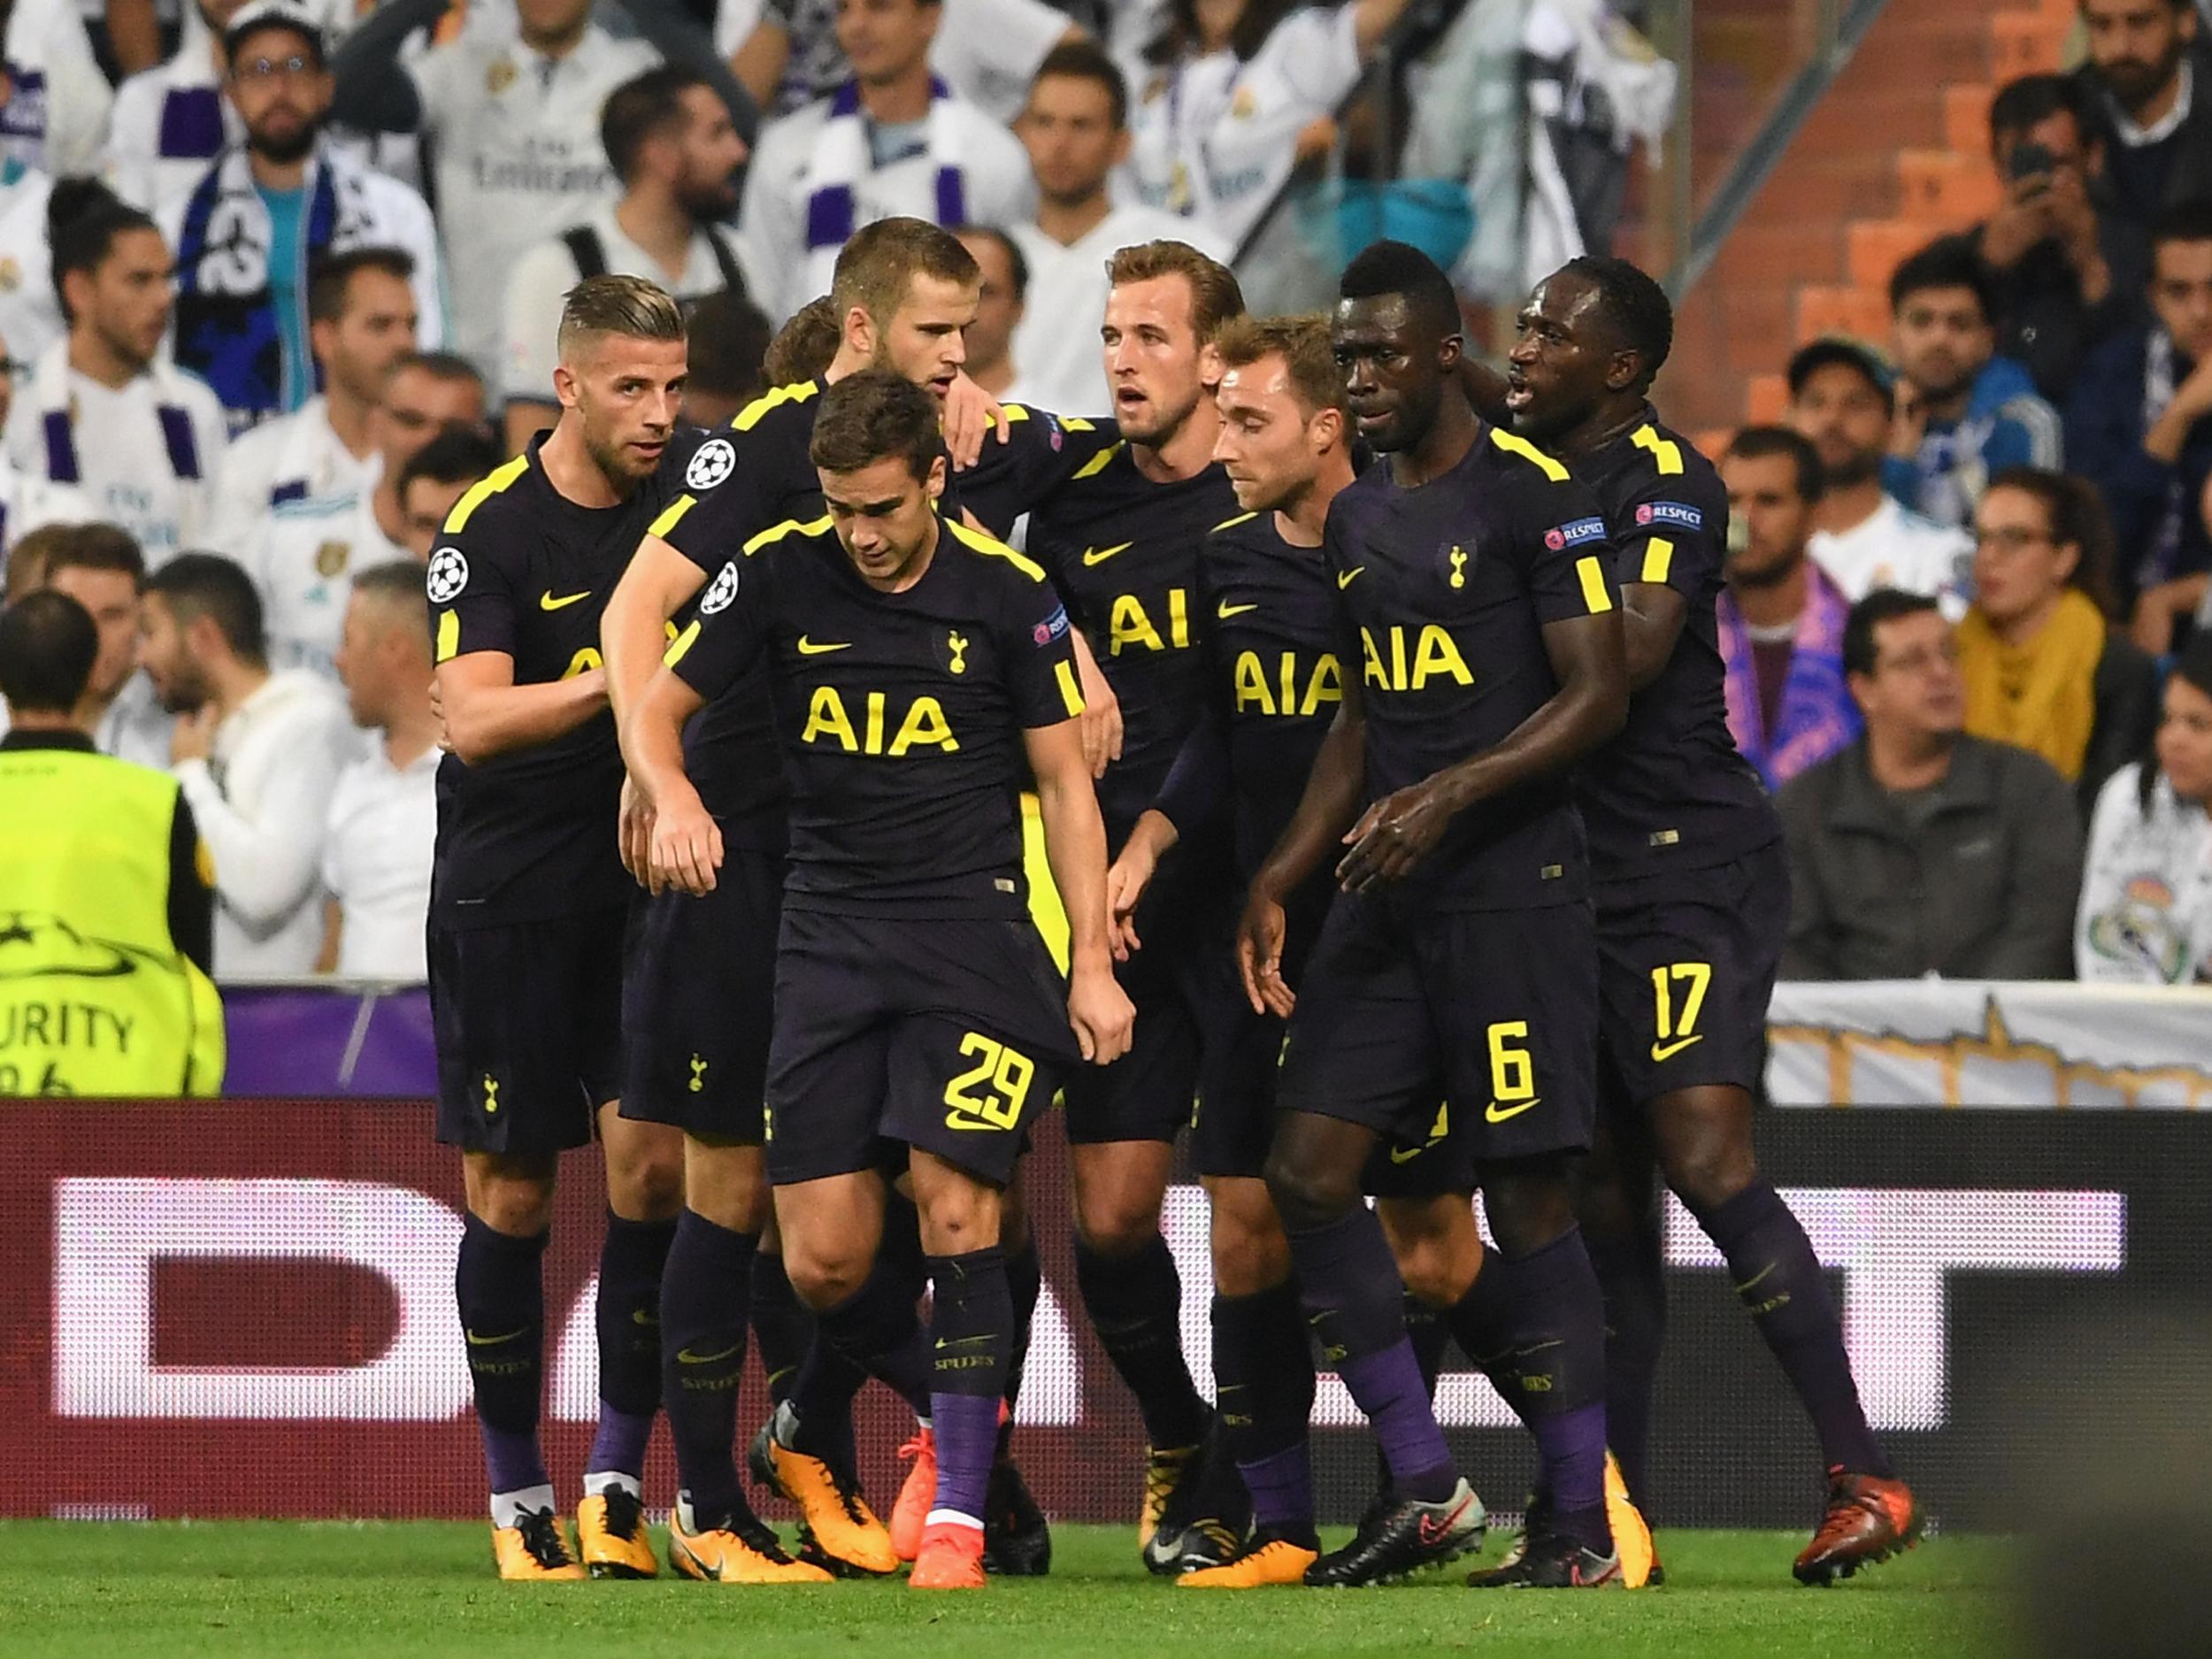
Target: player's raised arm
x: 1075, y: 846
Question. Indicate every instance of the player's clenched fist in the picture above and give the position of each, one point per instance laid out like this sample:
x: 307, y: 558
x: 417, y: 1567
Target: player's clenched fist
x: 1101, y: 1014
x: 685, y: 848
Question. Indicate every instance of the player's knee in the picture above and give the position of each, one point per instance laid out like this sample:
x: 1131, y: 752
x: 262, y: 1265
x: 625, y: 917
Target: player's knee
x: 1307, y: 1192
x: 1528, y: 1205
x: 827, y: 1277
x: 1711, y: 1171
x: 1115, y: 1225
x: 726, y: 1184
x: 515, y: 1205
x: 1249, y: 1256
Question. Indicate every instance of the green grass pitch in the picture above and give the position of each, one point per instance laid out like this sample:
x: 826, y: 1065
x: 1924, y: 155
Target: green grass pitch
x: 342, y: 1591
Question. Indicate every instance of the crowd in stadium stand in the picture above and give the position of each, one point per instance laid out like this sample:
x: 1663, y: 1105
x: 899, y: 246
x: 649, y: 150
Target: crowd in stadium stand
x: 273, y: 302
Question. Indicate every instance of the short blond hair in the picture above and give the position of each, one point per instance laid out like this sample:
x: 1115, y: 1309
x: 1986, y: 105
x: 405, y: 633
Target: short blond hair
x: 629, y: 306
x: 1215, y: 298
x: 876, y: 267
x: 1302, y: 342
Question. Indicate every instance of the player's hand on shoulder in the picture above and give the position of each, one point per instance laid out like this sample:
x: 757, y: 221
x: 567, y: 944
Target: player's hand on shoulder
x: 1260, y: 934
x: 683, y: 848
x: 1101, y: 1013
x: 1395, y: 834
x: 971, y: 415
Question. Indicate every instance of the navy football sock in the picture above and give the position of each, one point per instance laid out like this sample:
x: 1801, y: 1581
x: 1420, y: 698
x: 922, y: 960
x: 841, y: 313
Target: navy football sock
x: 1135, y: 1304
x: 1264, y: 1387
x: 1482, y: 1322
x: 1356, y: 1304
x: 1425, y: 1329
x: 876, y: 1327
x: 1025, y: 1283
x: 704, y: 1293
x: 498, y: 1282
x: 781, y: 1325
x: 971, y: 1321
x: 628, y: 1319
x: 1777, y: 1276
x: 1559, y: 1317
x: 1631, y: 1273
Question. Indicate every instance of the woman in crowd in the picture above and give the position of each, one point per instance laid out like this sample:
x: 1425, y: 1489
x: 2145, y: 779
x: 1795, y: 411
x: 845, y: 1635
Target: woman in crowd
x: 2044, y: 668
x: 2146, y: 913
x: 1230, y: 95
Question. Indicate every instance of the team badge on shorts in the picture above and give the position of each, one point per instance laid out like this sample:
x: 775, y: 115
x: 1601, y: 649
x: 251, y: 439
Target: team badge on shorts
x: 716, y: 460
x: 448, y: 574
x: 725, y: 589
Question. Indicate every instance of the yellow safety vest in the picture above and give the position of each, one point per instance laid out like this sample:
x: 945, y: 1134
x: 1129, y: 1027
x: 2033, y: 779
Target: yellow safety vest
x: 95, y: 999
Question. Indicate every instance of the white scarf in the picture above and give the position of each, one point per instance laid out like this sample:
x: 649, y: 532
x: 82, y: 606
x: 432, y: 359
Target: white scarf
x: 842, y: 158
x: 51, y: 395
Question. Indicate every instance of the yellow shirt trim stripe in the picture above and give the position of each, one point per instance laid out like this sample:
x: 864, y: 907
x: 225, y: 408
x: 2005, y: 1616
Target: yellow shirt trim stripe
x: 750, y: 416
x: 1658, y: 559
x: 976, y: 541
x: 1597, y: 593
x: 1513, y: 443
x: 482, y: 491
x: 1070, y: 694
x: 1098, y: 463
x: 1665, y: 452
x: 776, y: 532
x: 1231, y: 524
x: 449, y: 634
x: 682, y: 643
x: 671, y: 516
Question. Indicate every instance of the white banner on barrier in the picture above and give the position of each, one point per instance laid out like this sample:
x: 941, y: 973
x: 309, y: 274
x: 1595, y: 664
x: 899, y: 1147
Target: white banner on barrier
x: 1939, y: 1043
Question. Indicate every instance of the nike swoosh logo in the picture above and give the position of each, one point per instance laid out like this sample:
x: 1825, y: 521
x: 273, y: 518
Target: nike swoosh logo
x: 643, y: 1316
x: 685, y: 1356
x: 1752, y: 1282
x: 809, y: 648
x: 1668, y: 1050
x: 547, y: 601
x: 1436, y: 1529
x: 1406, y: 1155
x: 1226, y: 612
x: 1344, y: 577
x: 1494, y: 1113
x: 961, y: 1342
x: 1099, y: 555
x: 492, y: 1341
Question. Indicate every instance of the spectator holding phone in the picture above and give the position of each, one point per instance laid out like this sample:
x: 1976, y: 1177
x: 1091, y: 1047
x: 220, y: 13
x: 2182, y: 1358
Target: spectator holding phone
x: 2064, y: 274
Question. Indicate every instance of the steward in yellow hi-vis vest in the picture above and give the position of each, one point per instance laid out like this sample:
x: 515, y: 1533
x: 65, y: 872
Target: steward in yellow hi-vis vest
x: 106, y: 908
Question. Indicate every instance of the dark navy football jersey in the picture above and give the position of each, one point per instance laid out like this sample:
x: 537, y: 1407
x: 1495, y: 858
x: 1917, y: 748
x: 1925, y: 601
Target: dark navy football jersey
x: 1122, y: 550
x: 520, y: 569
x: 1447, y: 588
x: 756, y: 475
x: 1274, y: 680
x: 899, y: 716
x: 1671, y: 792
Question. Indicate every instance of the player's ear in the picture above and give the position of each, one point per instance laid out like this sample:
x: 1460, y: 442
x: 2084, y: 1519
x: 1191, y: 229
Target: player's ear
x: 1211, y: 367
x: 860, y: 331
x: 565, y: 385
x: 1327, y: 430
x: 934, y: 485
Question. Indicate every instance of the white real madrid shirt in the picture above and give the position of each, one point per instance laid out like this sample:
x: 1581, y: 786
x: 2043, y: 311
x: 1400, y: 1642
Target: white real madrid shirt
x: 125, y: 462
x: 517, y: 139
x: 1057, y: 348
x: 56, y: 111
x: 543, y: 276
x: 1895, y: 547
x: 30, y: 316
x: 1214, y: 139
x: 298, y: 514
x: 377, y: 850
x: 789, y: 165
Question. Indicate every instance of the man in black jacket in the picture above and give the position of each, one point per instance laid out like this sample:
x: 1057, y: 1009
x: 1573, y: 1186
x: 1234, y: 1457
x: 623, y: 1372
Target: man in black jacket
x: 1918, y: 849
